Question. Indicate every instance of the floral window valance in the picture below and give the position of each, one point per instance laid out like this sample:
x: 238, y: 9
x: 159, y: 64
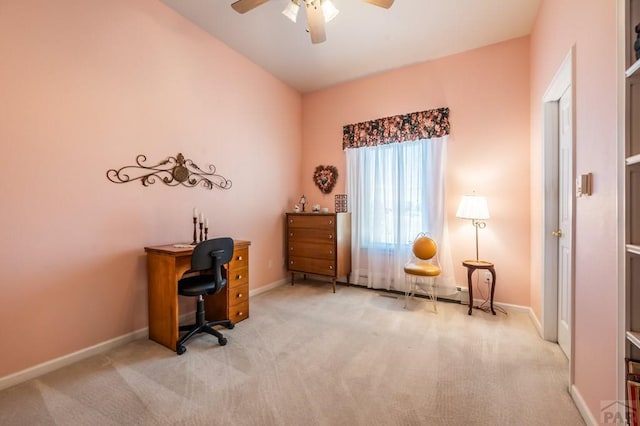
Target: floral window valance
x: 428, y: 124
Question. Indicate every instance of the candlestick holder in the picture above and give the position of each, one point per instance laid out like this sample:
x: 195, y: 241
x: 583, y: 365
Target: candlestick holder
x: 201, y: 226
x: 206, y: 233
x: 195, y: 236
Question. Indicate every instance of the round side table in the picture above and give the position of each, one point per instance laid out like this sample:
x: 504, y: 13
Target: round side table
x: 471, y: 266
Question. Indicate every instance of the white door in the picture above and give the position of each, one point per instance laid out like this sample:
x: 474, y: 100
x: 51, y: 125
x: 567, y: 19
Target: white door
x: 565, y: 194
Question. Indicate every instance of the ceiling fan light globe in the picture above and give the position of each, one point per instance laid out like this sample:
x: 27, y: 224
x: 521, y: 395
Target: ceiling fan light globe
x: 291, y: 11
x: 329, y: 10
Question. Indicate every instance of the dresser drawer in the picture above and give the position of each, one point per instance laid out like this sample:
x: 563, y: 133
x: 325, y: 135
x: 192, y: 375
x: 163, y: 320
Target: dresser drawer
x: 239, y: 312
x: 312, y: 266
x: 312, y: 235
x: 239, y: 294
x: 312, y: 221
x: 319, y: 251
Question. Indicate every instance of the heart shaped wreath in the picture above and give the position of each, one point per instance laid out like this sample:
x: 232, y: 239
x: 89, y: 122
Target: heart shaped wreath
x: 325, y: 178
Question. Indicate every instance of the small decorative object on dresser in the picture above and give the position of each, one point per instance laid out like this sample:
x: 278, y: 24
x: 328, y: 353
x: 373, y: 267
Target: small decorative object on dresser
x: 319, y: 244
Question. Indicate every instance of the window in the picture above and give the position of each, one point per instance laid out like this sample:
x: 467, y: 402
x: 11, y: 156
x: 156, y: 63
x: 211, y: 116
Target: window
x: 395, y: 192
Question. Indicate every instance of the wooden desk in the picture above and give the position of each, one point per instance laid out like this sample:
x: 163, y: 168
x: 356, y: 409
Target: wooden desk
x: 471, y: 266
x: 166, y: 265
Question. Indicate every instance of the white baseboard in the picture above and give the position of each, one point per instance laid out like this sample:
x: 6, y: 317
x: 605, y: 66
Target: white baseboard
x: 582, y: 407
x: 267, y: 287
x: 520, y: 308
x: 54, y: 364
x: 63, y: 361
x: 509, y: 306
x: 525, y: 309
x: 506, y: 306
x: 536, y: 322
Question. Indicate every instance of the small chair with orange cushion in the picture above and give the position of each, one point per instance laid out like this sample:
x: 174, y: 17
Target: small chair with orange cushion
x: 422, y: 269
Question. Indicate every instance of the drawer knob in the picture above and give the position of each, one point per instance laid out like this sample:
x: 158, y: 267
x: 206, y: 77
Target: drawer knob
x: 240, y: 314
x: 330, y: 251
x: 291, y: 234
x: 330, y: 237
x: 291, y: 262
x: 330, y: 222
x: 331, y: 268
x: 238, y: 277
x: 290, y: 220
x: 291, y: 248
x: 239, y: 296
x: 239, y: 257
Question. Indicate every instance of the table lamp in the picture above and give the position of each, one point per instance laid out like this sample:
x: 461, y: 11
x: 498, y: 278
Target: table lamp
x: 303, y: 201
x: 474, y: 207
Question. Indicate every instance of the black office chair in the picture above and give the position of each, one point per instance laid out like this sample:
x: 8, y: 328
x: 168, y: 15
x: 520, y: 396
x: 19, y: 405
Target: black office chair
x: 206, y: 276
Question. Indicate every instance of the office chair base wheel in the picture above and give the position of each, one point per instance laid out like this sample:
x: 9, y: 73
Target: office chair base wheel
x: 231, y: 325
x: 180, y: 349
x: 222, y: 341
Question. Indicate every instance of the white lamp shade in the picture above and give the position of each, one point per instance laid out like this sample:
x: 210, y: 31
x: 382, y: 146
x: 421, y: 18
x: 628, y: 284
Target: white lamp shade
x: 291, y: 11
x: 473, y: 207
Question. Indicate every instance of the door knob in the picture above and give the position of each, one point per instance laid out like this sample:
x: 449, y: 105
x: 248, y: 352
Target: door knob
x: 557, y: 233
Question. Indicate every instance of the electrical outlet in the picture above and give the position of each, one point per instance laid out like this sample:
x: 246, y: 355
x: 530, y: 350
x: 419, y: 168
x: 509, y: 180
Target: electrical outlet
x: 487, y: 276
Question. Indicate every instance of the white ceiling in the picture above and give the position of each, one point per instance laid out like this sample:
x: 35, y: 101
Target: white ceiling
x: 363, y: 39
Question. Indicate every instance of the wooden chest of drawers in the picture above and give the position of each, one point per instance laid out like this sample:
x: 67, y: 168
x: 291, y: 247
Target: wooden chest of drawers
x: 320, y: 244
x: 236, y: 304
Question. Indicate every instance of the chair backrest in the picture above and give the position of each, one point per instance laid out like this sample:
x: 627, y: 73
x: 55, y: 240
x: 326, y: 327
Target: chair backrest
x: 211, y: 255
x: 424, y: 247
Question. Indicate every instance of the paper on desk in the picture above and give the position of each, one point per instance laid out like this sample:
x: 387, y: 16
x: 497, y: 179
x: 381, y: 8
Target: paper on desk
x: 184, y: 245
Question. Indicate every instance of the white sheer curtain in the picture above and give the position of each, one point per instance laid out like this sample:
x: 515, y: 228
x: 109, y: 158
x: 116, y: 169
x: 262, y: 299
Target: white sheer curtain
x: 395, y: 191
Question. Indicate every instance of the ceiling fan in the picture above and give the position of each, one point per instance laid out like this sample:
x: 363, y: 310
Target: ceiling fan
x: 318, y: 12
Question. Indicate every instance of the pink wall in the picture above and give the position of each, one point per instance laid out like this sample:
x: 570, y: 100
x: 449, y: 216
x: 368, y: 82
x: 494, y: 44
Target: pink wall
x: 590, y: 26
x: 487, y: 90
x: 85, y: 87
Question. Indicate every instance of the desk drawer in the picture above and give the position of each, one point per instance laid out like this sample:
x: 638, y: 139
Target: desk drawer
x: 239, y: 312
x: 238, y: 277
x: 313, y: 266
x: 239, y: 294
x: 240, y: 259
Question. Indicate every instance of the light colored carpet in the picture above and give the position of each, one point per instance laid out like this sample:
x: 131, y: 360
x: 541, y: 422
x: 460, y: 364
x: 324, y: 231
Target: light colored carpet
x: 307, y: 356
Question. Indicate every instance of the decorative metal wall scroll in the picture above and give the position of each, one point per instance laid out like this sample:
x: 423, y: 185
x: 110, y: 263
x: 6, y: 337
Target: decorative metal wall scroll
x: 325, y: 178
x: 173, y: 171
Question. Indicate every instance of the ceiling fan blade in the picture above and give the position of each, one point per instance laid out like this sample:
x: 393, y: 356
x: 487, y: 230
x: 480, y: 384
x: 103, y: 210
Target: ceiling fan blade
x: 315, y: 20
x: 243, y: 6
x: 382, y: 3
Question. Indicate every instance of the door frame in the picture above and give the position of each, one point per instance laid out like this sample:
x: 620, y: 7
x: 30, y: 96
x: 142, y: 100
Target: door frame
x: 564, y: 79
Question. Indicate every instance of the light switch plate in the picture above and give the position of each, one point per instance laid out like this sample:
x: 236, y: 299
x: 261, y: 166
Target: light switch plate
x: 584, y: 184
